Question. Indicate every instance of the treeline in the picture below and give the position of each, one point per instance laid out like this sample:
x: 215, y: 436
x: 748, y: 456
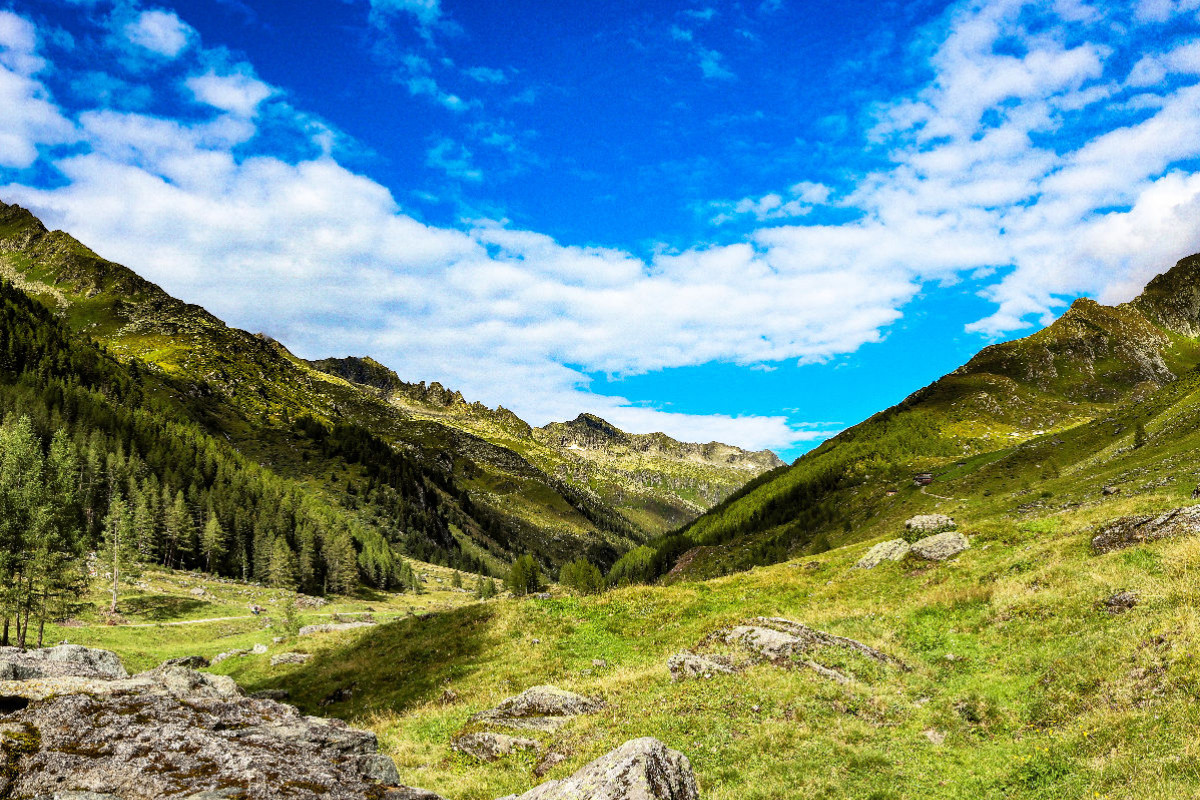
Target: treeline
x: 190, y: 500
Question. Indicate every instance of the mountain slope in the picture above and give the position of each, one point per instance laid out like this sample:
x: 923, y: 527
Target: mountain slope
x: 1087, y: 365
x: 656, y: 482
x: 489, y: 500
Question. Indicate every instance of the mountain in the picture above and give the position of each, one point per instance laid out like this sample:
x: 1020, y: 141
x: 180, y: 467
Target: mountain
x: 351, y: 430
x: 656, y: 482
x: 1092, y: 363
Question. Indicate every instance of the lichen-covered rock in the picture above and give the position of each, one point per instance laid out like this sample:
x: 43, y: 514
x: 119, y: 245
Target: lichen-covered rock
x: 894, y: 550
x: 641, y: 769
x: 62, y: 661
x: 191, y: 662
x: 488, y: 746
x: 290, y: 658
x: 787, y: 642
x: 1129, y: 531
x: 927, y: 524
x: 684, y: 666
x: 1121, y: 602
x: 539, y: 708
x: 173, y: 733
x: 940, y: 547
x: 333, y: 627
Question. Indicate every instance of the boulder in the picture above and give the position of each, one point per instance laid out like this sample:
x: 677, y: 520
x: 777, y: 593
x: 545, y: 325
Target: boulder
x: 174, y: 732
x: 259, y: 650
x: 290, y: 658
x: 684, y: 666
x: 787, y: 643
x: 927, y: 524
x: 539, y: 708
x: 191, y: 662
x: 1109, y: 491
x: 940, y: 546
x: 488, y: 746
x: 64, y: 660
x: 1129, y: 531
x: 641, y: 769
x: 333, y: 627
x: 894, y: 550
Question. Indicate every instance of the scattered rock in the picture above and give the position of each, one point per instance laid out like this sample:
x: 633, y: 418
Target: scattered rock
x: 238, y: 653
x: 541, y: 596
x: 927, y: 524
x: 1129, y: 531
x: 409, y: 793
x: 488, y: 746
x: 144, y: 737
x: 688, y: 665
x: 449, y: 696
x: 1109, y: 491
x: 940, y: 547
x: 935, y: 737
x: 539, y: 708
x: 786, y: 643
x: 64, y: 660
x: 599, y: 663
x: 190, y: 662
x: 1196, y: 493
x: 641, y: 769
x: 259, y: 650
x: 307, y: 601
x: 548, y: 762
x: 1121, y: 602
x: 333, y: 627
x: 894, y: 550
x: 290, y: 658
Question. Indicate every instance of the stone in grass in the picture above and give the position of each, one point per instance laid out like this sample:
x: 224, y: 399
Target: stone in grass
x: 940, y: 547
x: 1121, y: 602
x: 488, y: 746
x: 1129, y: 531
x: 928, y: 524
x: 894, y: 550
x: 290, y: 658
x: 684, y: 666
x: 539, y: 708
x: 640, y: 769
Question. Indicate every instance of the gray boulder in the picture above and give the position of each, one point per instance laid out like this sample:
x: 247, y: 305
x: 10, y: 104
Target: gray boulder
x: 488, y: 746
x: 894, y: 550
x: 641, y: 769
x: 1129, y: 531
x: 684, y: 666
x: 539, y: 708
x: 1121, y: 602
x: 789, y: 643
x: 940, y: 547
x: 926, y: 524
x: 191, y: 662
x: 64, y: 660
x: 290, y: 658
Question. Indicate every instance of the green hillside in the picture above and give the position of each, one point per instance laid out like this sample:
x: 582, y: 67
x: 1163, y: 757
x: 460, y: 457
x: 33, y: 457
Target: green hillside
x: 1087, y: 366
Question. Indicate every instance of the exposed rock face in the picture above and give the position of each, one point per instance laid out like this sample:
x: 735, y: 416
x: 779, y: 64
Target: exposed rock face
x: 688, y: 665
x: 539, y: 708
x: 488, y: 746
x: 641, y: 769
x: 170, y: 733
x: 191, y: 662
x: 1129, y: 531
x: 62, y: 661
x: 927, y: 524
x: 894, y: 550
x: 940, y: 547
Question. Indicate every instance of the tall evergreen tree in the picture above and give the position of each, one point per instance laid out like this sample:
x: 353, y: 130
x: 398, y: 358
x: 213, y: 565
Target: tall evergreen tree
x: 119, y: 553
x: 212, y: 542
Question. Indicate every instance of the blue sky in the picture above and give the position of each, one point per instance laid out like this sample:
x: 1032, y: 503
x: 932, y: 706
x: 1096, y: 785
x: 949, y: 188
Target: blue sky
x: 753, y: 222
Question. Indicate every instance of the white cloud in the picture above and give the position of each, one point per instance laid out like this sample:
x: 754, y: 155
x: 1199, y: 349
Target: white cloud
x: 426, y: 12
x: 453, y: 159
x: 30, y: 118
x: 486, y: 75
x: 239, y: 93
x: 161, y: 32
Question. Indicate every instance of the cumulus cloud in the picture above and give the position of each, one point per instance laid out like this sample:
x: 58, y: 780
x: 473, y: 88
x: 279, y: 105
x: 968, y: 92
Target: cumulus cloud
x: 238, y: 93
x: 161, y: 32
x: 30, y: 119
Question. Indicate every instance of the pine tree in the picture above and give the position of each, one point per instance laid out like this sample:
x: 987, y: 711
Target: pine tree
x: 525, y: 577
x: 582, y: 576
x: 119, y: 552
x: 212, y: 542
x: 456, y: 580
x: 283, y: 565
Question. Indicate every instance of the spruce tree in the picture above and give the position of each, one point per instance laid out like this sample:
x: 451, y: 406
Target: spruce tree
x: 212, y: 542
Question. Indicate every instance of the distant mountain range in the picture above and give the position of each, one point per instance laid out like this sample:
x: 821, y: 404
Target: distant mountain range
x: 503, y: 488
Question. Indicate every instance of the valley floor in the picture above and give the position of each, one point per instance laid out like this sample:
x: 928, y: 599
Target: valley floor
x: 1023, y: 684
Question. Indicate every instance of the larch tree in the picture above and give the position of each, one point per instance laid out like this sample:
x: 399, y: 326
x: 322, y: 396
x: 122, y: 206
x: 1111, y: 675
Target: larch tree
x: 119, y: 552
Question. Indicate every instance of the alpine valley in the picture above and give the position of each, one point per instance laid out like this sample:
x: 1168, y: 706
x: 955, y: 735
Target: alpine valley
x: 987, y: 591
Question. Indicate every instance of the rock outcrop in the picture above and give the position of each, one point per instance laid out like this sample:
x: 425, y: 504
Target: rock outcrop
x: 940, y: 547
x: 689, y: 665
x: 1129, y: 531
x: 489, y: 746
x: 333, y: 627
x: 894, y: 550
x: 539, y: 708
x: 788, y: 643
x: 74, y: 724
x: 927, y: 524
x: 641, y: 769
x: 290, y: 658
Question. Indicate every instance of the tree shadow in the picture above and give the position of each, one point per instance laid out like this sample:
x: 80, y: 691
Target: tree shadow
x: 160, y: 607
x: 391, y: 667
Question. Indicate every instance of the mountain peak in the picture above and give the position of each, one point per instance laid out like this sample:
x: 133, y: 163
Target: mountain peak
x: 1172, y: 300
